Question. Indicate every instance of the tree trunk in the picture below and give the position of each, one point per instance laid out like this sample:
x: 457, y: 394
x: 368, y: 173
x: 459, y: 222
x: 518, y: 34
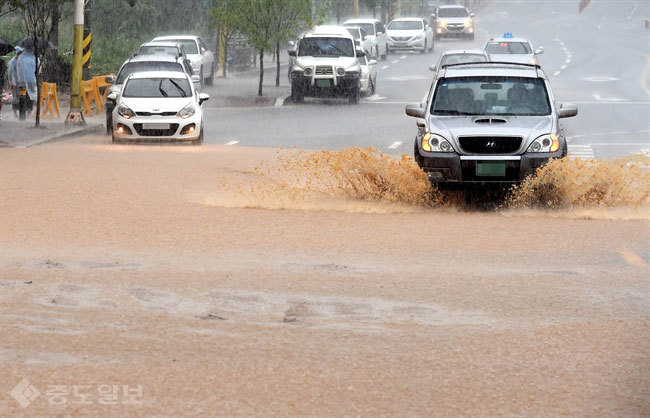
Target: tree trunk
x: 277, y: 62
x: 225, y: 56
x: 38, y: 87
x: 259, y: 90
x: 54, y: 31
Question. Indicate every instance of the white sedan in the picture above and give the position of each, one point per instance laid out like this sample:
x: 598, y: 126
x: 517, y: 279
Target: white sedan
x: 410, y: 33
x: 201, y: 58
x: 368, y: 79
x: 158, y: 106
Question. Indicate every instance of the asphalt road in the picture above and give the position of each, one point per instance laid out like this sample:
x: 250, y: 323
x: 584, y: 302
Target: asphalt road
x: 599, y: 59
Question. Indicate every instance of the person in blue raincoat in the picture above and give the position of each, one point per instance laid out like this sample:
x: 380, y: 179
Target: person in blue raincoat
x: 26, y: 75
x: 13, y: 80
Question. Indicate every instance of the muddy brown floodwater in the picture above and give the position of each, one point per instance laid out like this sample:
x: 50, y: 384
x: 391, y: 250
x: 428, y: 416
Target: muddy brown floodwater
x: 235, y: 281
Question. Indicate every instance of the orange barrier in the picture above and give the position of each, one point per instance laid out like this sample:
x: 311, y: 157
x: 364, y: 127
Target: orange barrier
x: 90, y: 94
x: 49, y: 101
x: 103, y: 84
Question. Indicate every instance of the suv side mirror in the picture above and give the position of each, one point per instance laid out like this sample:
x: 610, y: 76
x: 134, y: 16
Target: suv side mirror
x: 471, y: 15
x: 567, y: 110
x: 291, y: 53
x: 539, y: 51
x: 203, y: 97
x: 196, y: 78
x: 112, y: 96
x: 379, y: 33
x: 360, y: 53
x: 433, y: 68
x: 415, y: 110
x: 110, y: 79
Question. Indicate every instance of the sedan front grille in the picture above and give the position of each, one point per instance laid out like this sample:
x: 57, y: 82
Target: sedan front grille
x: 490, y: 144
x: 455, y: 26
x: 173, y: 127
x: 324, y: 70
x: 401, y: 38
x: 155, y: 114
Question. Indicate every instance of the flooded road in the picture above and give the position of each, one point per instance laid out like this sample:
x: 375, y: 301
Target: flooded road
x: 222, y: 282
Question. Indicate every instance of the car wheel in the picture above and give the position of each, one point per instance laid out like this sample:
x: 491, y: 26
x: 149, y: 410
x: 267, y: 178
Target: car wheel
x: 433, y: 44
x: 201, y: 76
x: 109, y: 125
x: 426, y: 47
x: 114, y: 140
x: 354, y: 95
x: 373, y: 87
x: 385, y: 56
x: 471, y: 37
x: 297, y: 94
x: 210, y: 79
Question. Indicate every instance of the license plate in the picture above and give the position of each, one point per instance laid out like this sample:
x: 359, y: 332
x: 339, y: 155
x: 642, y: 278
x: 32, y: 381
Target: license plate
x: 323, y: 83
x: 155, y: 126
x: 491, y: 169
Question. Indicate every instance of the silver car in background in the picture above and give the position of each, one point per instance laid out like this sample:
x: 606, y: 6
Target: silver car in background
x: 459, y: 56
x: 202, y: 59
x: 509, y: 49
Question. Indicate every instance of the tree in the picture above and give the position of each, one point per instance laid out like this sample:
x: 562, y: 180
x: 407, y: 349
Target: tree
x: 37, y: 15
x: 291, y: 17
x: 372, y: 6
x: 228, y: 19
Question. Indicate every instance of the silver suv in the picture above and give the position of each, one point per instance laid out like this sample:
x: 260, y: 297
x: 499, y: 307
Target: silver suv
x: 488, y: 122
x: 326, y: 64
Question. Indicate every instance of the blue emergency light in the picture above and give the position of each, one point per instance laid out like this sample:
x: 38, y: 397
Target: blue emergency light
x: 507, y: 35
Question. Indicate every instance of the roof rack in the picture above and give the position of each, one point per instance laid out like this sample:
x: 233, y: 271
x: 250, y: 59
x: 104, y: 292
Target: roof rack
x: 491, y: 63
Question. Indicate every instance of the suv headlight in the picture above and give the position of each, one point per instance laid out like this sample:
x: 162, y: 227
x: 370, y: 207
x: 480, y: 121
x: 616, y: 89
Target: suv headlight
x: 435, y: 143
x: 308, y: 71
x: 187, y: 111
x: 340, y: 71
x: 545, y: 143
x: 125, y: 112
x: 468, y: 23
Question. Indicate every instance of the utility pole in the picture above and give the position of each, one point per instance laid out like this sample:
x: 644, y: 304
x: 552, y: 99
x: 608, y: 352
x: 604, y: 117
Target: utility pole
x: 356, y: 8
x: 75, y: 117
x: 87, y: 54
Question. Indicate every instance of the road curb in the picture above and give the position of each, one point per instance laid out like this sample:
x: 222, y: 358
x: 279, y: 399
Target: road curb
x: 59, y: 136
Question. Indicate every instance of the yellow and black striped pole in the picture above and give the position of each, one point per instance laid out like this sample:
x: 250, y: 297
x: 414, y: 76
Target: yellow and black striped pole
x: 356, y: 8
x: 86, y: 60
x: 75, y: 117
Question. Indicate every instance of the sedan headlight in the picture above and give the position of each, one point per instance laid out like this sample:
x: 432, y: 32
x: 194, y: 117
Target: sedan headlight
x: 435, y: 143
x: 125, y: 111
x: 468, y: 23
x: 187, y: 111
x: 442, y: 23
x: 545, y: 143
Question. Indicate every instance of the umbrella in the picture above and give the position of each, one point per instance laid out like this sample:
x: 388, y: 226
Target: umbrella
x: 28, y: 43
x: 5, y: 47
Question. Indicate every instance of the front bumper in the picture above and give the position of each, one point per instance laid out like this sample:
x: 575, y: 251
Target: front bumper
x: 319, y: 86
x: 452, y: 168
x: 152, y: 128
x: 413, y: 45
x: 452, y: 31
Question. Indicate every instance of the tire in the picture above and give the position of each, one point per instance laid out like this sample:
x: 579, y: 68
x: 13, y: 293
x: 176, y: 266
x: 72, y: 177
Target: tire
x: 385, y: 56
x: 433, y: 44
x: 297, y: 95
x: 471, y: 37
x: 373, y: 87
x: 199, y: 140
x: 115, y: 140
x: 426, y: 47
x: 377, y: 52
x: 201, y: 76
x: 109, y: 125
x: 354, y: 96
x: 210, y: 80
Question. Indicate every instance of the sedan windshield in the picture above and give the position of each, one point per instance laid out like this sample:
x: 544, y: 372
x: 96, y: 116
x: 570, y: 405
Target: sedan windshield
x: 328, y: 47
x: 157, y: 87
x: 453, y: 12
x: 134, y: 67
x: 462, y: 59
x: 188, y: 44
x: 508, y: 48
x: 405, y: 25
x: 487, y: 95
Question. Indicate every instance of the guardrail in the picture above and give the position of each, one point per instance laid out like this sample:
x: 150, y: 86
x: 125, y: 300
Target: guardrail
x: 94, y: 92
x: 49, y: 101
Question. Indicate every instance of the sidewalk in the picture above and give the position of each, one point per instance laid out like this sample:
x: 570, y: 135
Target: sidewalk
x: 23, y: 134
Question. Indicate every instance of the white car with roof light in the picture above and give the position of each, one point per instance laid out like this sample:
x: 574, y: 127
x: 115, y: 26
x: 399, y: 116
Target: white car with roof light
x: 409, y: 33
x: 325, y: 65
x: 375, y: 32
x: 459, y: 56
x: 158, y: 106
x: 511, y: 49
x: 202, y: 59
x: 453, y: 21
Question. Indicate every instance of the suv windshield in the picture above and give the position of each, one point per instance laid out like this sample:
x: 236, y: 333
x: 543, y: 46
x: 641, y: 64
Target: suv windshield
x: 491, y: 95
x: 405, y: 25
x: 157, y: 87
x: 188, y: 44
x: 326, y: 47
x: 453, y: 12
x: 133, y: 67
x: 508, y: 48
x: 158, y: 50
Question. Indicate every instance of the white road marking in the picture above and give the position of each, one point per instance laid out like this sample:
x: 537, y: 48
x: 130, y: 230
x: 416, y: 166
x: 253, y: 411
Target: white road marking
x: 395, y: 62
x: 563, y: 67
x: 384, y: 67
x: 568, y: 61
x: 408, y: 78
x: 608, y: 99
x: 557, y: 73
x: 612, y: 103
x: 375, y: 97
x: 232, y: 143
x: 395, y: 145
x: 279, y: 102
x: 585, y: 152
x: 600, y: 79
x: 619, y: 132
x: 600, y: 27
x: 633, y: 10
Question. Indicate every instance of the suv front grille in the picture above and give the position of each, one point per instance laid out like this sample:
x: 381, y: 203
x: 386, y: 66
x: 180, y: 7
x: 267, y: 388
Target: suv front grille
x: 490, y: 144
x: 324, y: 70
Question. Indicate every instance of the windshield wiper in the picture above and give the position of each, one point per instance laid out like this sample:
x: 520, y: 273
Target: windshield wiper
x: 161, y: 90
x: 183, y: 93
